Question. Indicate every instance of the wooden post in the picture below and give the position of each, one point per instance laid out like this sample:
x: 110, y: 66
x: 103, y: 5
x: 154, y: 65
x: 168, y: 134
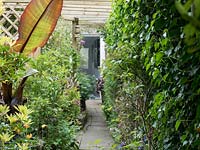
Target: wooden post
x: 75, y: 33
x: 76, y: 46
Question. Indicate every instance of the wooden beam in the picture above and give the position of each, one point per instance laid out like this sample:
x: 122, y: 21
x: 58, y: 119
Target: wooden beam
x: 25, y: 1
x: 91, y: 11
x: 86, y: 9
x: 80, y: 2
x: 80, y: 13
x: 88, y: 6
x: 16, y: 1
x: 91, y: 0
x: 86, y: 21
x: 85, y: 17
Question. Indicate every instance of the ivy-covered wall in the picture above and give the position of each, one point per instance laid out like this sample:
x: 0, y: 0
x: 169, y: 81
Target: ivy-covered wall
x: 152, y: 74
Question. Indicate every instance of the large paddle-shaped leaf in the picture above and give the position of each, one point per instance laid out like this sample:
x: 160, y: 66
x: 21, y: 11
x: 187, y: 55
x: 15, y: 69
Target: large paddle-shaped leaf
x: 36, y: 24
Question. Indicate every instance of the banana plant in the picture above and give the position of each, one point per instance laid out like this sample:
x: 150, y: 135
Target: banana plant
x: 36, y: 25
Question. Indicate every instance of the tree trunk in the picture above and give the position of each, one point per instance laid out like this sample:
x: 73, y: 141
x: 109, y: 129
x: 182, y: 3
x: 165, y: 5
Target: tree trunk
x: 11, y: 100
x: 19, y: 92
x: 82, y: 105
x: 7, y: 93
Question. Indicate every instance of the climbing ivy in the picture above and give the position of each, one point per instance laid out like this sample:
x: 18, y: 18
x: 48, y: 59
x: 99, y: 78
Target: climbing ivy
x: 153, y: 62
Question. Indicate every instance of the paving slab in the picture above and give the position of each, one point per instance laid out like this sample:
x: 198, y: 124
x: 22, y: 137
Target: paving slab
x: 95, y: 135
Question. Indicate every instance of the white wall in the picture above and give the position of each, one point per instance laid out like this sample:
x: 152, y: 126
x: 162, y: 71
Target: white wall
x: 102, y: 52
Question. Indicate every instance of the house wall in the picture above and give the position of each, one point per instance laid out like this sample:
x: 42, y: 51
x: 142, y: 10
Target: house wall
x: 102, y: 52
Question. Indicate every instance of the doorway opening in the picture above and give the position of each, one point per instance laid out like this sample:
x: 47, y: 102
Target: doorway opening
x: 90, y: 55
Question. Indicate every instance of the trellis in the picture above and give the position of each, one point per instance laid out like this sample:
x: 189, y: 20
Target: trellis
x: 10, y: 19
x: 88, y: 12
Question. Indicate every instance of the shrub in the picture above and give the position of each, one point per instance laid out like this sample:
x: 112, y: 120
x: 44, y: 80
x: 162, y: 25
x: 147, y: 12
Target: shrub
x: 15, y: 129
x: 54, y: 96
x: 14, y: 57
x: 153, y: 70
x: 86, y: 87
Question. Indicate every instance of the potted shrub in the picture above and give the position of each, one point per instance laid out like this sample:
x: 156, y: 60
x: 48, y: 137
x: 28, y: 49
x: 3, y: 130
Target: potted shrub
x: 86, y: 87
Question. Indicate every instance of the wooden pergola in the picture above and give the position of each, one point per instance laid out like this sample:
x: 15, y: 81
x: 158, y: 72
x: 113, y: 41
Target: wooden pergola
x: 80, y: 12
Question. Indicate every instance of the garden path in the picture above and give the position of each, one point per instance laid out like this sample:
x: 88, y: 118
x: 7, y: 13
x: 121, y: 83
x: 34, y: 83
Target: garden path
x: 95, y: 135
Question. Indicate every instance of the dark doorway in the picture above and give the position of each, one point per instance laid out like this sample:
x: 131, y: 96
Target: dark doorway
x: 90, y: 55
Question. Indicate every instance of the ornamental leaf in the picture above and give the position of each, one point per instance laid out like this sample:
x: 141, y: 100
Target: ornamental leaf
x: 36, y: 25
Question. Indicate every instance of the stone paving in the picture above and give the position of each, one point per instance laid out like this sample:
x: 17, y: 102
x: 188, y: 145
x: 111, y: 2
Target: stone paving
x: 95, y: 135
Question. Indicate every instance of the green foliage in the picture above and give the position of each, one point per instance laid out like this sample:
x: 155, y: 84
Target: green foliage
x: 12, y: 65
x: 31, y: 35
x: 190, y: 12
x: 14, y: 129
x: 53, y: 95
x: 152, y: 73
x: 86, y: 84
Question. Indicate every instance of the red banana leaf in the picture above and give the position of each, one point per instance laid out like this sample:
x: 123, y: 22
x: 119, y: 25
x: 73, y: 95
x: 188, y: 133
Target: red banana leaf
x: 36, y: 25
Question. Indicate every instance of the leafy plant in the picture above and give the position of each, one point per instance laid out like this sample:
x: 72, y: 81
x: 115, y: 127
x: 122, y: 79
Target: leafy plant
x: 14, y: 129
x: 86, y: 87
x: 34, y: 31
x: 152, y: 72
x: 56, y: 107
x: 54, y: 95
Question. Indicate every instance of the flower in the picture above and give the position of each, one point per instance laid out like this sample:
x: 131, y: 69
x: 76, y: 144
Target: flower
x: 198, y: 130
x: 44, y: 126
x: 82, y: 42
x: 17, y: 130
x: 29, y: 136
x: 26, y: 125
x: 12, y: 119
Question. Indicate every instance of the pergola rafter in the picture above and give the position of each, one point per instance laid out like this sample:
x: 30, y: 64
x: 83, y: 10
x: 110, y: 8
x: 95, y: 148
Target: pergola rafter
x: 88, y: 12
